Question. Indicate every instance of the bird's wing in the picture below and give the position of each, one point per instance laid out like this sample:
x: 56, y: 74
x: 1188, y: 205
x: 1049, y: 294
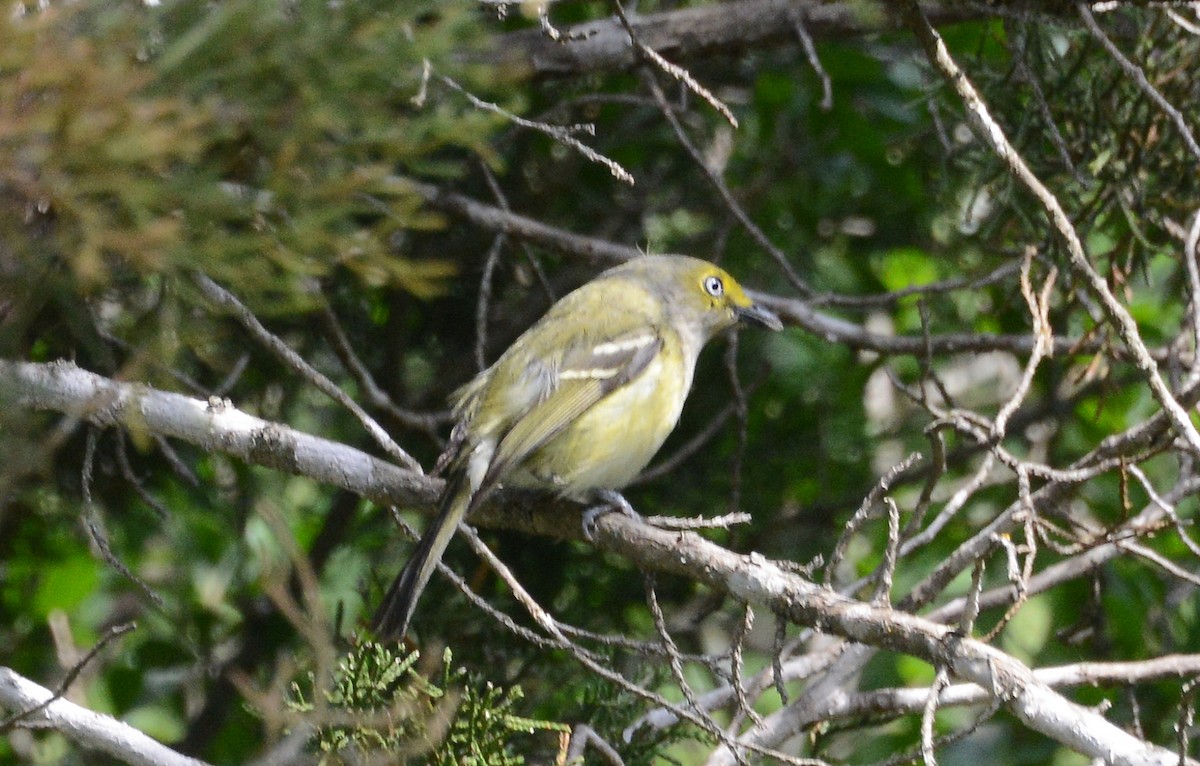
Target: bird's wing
x: 587, y: 374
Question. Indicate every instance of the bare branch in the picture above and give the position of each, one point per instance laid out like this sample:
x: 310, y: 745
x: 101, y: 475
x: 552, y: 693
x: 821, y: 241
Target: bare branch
x: 690, y: 33
x: 1139, y: 76
x: 84, y: 727
x: 991, y: 132
x: 718, y: 182
x: 751, y: 579
x: 375, y: 395
x: 276, y: 346
x: 927, y: 716
x: 563, y: 134
x: 794, y: 311
x: 674, y: 70
x: 810, y: 52
x: 73, y: 672
x: 215, y: 425
x: 898, y: 702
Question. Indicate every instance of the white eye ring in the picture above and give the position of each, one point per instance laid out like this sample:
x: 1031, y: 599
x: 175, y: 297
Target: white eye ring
x: 714, y: 286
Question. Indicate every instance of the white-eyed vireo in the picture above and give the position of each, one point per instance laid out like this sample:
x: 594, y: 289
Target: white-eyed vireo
x: 581, y: 401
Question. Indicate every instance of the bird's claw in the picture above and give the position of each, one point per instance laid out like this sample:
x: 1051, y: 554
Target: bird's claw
x: 611, y: 501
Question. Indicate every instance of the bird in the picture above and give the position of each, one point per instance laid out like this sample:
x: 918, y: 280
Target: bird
x: 580, y: 402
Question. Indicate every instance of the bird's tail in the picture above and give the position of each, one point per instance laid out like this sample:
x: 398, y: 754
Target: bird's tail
x: 391, y: 619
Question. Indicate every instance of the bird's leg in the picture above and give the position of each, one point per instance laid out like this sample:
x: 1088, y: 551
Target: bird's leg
x: 610, y: 501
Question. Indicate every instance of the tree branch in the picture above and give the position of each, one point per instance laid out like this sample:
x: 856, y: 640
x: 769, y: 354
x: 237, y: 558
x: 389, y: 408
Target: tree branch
x: 993, y: 135
x: 794, y: 311
x: 749, y: 578
x: 215, y: 426
x: 692, y: 33
x: 910, y: 701
x: 86, y: 728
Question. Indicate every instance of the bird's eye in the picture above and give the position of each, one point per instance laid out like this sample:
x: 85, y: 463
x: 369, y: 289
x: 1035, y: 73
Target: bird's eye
x: 714, y: 286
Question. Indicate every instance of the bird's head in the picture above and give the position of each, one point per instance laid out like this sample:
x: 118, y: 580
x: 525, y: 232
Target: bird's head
x: 703, y: 293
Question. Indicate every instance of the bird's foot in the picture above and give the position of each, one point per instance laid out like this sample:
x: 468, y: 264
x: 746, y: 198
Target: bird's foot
x: 610, y: 501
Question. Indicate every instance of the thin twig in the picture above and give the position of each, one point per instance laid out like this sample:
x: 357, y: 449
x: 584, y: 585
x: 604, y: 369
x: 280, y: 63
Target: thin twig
x: 1167, y: 508
x: 231, y: 378
x: 95, y: 524
x: 674, y: 660
x: 674, y: 70
x: 935, y: 471
x: 139, y: 488
x: 997, y: 275
x: 1039, y: 311
x: 582, y: 736
x: 178, y: 467
x: 693, y: 445
x: 375, y: 395
x: 724, y: 521
x: 777, y: 660
x: 1187, y: 25
x: 73, y: 672
x: 95, y: 732
x: 993, y: 134
x: 485, y: 298
x: 222, y: 297
x: 563, y: 134
x: 966, y: 620
x: 723, y: 190
x: 1139, y: 76
x: 735, y: 665
x: 945, y: 740
x: 1187, y: 714
x: 887, y: 568
x: 1056, y: 137
x: 866, y: 511
x: 742, y: 408
x: 810, y: 52
x: 940, y: 682
x: 1190, y: 254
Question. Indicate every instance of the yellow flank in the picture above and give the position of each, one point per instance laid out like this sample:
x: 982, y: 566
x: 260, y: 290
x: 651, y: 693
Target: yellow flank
x: 609, y: 444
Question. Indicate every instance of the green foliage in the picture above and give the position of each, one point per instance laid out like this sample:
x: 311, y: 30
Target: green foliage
x: 146, y: 141
x: 608, y: 709
x: 462, y: 721
x: 483, y: 727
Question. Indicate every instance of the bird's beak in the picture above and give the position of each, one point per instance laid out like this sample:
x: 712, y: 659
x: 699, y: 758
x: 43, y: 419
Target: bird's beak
x: 759, y: 316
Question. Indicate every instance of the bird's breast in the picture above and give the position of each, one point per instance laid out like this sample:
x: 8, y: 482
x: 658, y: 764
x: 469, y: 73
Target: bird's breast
x: 610, y: 443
